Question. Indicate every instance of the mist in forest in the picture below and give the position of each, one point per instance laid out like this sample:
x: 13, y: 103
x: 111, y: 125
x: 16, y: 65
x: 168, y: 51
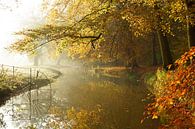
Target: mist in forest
x: 15, y: 17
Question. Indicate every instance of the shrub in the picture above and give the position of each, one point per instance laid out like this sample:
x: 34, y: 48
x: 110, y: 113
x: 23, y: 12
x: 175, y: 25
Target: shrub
x: 174, y: 95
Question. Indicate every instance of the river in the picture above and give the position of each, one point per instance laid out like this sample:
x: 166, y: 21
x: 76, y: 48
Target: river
x: 95, y: 101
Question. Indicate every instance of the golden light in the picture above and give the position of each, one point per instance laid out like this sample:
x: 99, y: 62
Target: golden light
x: 14, y: 17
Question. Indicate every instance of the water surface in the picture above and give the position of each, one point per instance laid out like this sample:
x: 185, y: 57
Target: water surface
x: 116, y: 102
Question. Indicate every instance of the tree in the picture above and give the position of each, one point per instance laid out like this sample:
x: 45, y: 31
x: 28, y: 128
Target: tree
x: 165, y: 50
x: 73, y: 28
x: 154, y: 58
x: 190, y: 5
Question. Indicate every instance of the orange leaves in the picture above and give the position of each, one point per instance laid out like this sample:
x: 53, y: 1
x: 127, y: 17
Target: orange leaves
x: 183, y: 92
x: 188, y: 56
x: 176, y: 101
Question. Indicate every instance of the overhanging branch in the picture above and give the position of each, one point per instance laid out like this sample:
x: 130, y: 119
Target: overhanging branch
x: 93, y: 39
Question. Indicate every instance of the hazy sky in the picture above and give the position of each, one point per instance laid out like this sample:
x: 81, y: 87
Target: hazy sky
x: 18, y: 16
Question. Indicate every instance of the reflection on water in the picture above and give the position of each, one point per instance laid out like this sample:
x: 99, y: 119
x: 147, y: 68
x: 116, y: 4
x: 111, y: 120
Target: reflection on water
x: 82, y: 100
x: 25, y: 108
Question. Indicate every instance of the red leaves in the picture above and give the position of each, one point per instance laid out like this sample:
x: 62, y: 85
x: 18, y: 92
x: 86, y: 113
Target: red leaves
x: 176, y: 104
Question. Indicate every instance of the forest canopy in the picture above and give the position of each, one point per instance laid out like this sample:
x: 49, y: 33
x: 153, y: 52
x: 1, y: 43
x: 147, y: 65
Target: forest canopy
x: 108, y: 30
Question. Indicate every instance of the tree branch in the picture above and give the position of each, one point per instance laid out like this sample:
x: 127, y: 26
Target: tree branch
x: 93, y: 39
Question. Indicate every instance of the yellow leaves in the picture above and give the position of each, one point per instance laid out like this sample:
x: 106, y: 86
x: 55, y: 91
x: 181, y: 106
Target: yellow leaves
x: 169, y: 66
x: 166, y: 27
x: 78, y: 9
x: 150, y: 2
x: 99, y: 108
x: 156, y: 105
x: 84, y: 118
x: 22, y: 45
x: 45, y: 4
x: 170, y: 101
x: 53, y: 15
x: 71, y: 113
x: 56, y: 110
x: 178, y: 82
x: 139, y: 25
x: 177, y: 6
x: 191, y: 57
x: 78, y: 50
x: 87, y: 31
x: 155, y: 116
x: 81, y: 114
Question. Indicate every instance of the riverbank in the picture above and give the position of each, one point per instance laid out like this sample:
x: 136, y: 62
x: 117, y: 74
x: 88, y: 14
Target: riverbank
x: 139, y: 73
x: 7, y: 93
x: 18, y: 82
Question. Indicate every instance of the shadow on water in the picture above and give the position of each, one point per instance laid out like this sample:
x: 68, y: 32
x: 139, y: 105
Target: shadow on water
x: 91, y: 101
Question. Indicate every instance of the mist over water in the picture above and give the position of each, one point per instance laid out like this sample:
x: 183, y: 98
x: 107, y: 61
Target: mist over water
x: 120, y: 100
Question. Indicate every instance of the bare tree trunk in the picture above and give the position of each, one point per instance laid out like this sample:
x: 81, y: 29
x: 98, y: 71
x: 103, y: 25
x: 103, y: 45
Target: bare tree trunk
x: 134, y: 63
x: 37, y: 57
x: 190, y: 4
x: 36, y: 60
x: 164, y: 44
x: 154, y: 59
x: 191, y: 36
x: 165, y: 50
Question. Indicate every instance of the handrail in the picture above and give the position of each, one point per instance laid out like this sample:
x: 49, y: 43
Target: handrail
x: 15, y: 66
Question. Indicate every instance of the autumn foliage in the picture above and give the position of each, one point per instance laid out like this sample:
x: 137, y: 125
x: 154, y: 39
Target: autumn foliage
x: 176, y: 102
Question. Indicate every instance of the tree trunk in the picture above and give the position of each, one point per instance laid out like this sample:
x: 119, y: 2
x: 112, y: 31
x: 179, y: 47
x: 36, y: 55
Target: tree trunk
x: 37, y: 57
x: 36, y: 60
x: 165, y: 50
x: 164, y: 44
x: 190, y: 28
x: 134, y: 63
x: 191, y: 34
x: 154, y: 59
x: 190, y: 4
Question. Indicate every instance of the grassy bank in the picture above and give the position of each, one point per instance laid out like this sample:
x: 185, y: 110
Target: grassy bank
x: 14, y: 83
x: 11, y: 86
